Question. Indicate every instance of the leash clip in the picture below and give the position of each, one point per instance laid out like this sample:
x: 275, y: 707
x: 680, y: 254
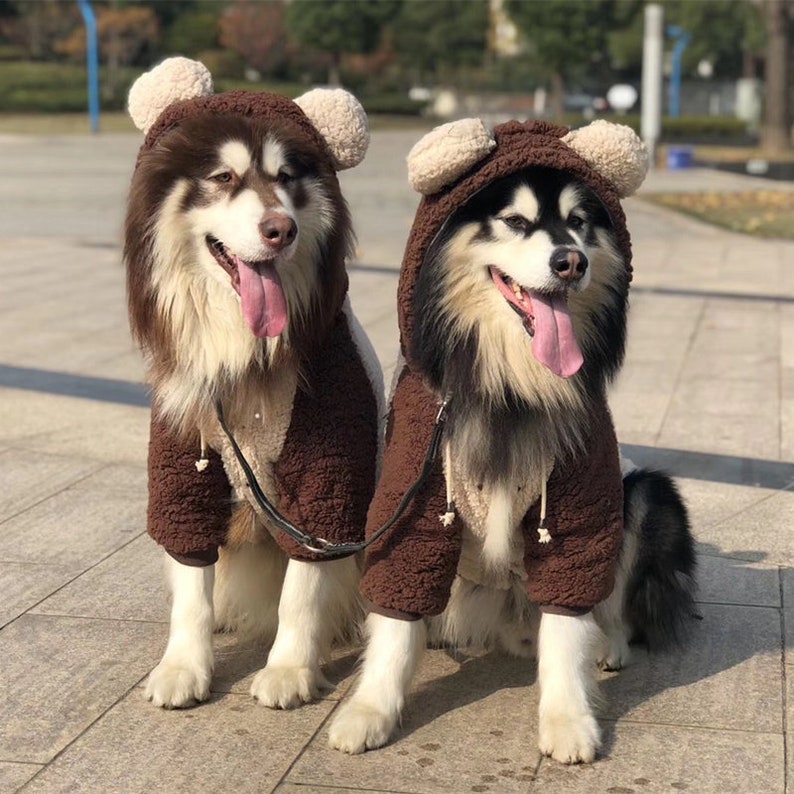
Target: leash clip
x: 441, y: 416
x: 316, y: 545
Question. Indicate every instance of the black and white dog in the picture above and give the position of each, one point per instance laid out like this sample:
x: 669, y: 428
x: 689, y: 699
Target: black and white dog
x: 521, y: 284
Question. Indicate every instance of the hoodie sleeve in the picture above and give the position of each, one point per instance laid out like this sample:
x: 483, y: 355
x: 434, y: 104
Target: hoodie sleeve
x: 576, y: 569
x: 189, y: 510
x: 409, y: 571
x: 325, y: 475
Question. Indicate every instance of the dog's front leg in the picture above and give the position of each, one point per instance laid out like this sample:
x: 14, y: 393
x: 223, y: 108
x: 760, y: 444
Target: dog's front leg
x: 184, y: 673
x: 566, y: 671
x: 368, y: 719
x: 313, y: 599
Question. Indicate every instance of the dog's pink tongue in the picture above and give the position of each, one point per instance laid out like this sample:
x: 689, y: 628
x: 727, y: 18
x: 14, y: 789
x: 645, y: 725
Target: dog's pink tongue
x: 554, y: 343
x: 262, y: 297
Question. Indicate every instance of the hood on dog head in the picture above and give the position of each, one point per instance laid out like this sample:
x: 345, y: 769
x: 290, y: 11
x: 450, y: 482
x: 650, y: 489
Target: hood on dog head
x: 179, y: 87
x: 329, y: 122
x: 455, y: 161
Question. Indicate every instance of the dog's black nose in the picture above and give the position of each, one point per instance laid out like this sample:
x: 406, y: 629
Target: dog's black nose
x: 278, y: 231
x: 569, y: 263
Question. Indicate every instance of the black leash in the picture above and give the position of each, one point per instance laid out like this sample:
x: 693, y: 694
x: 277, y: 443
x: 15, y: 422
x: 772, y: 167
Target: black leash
x: 321, y: 545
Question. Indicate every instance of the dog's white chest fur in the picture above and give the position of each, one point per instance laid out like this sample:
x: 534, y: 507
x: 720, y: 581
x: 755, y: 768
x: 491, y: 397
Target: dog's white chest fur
x: 259, y: 423
x: 493, y: 545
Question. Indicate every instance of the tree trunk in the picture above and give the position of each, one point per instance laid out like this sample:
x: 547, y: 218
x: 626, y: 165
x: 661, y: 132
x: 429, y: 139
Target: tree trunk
x: 557, y: 98
x: 334, y: 78
x: 776, y: 129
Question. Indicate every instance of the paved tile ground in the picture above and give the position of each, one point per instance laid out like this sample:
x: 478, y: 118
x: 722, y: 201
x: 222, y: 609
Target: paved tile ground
x: 707, y: 392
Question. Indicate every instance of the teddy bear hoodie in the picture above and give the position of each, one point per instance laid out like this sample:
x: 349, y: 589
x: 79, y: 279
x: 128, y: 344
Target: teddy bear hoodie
x: 410, y: 570
x: 315, y: 450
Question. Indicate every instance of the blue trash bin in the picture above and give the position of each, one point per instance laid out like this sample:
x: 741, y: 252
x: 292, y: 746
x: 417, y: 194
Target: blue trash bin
x: 679, y: 157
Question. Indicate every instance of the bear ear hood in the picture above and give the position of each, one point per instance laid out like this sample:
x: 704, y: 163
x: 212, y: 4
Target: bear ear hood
x: 456, y: 160
x: 179, y: 87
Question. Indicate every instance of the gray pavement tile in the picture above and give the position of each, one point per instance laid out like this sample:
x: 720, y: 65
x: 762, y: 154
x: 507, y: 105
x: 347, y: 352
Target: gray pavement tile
x: 789, y: 683
x: 23, y: 585
x: 60, y: 674
x: 787, y: 587
x: 638, y: 416
x: 787, y: 429
x: 14, y: 776
x: 644, y: 759
x: 727, y: 678
x: 373, y: 294
x: 88, y: 306
x: 127, y: 585
x: 74, y: 429
x: 230, y: 743
x: 645, y: 377
x: 643, y: 341
x: 710, y: 503
x: 81, y: 524
x: 384, y: 337
x: 455, y: 734
x: 31, y: 477
x: 726, y: 399
x: 750, y: 435
x: 63, y: 171
x: 787, y: 334
x: 757, y: 532
x: 758, y: 335
x: 757, y: 366
x: 727, y: 581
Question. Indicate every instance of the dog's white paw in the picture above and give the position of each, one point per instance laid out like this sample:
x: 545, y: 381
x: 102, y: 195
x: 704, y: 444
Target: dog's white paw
x: 615, y: 652
x: 287, y: 687
x: 569, y: 739
x: 177, y: 683
x: 614, y: 658
x: 359, y: 727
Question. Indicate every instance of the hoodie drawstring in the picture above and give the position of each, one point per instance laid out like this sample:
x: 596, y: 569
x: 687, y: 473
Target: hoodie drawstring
x: 448, y: 517
x: 545, y: 537
x: 203, y: 461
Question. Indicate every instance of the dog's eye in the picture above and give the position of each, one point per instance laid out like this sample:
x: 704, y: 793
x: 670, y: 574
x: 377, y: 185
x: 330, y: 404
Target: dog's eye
x: 222, y: 178
x: 575, y: 222
x: 285, y: 177
x: 517, y: 222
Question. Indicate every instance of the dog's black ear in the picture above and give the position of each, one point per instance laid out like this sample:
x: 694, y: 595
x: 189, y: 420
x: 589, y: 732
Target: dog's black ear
x: 596, y: 209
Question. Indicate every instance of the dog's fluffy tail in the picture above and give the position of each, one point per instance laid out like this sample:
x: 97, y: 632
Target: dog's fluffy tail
x: 659, y: 601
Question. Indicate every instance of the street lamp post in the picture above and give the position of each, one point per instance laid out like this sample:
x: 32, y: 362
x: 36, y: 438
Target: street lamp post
x: 92, y: 61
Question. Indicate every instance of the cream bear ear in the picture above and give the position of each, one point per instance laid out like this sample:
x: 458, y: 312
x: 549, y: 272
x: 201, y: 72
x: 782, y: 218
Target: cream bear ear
x: 613, y: 150
x: 168, y: 82
x: 338, y: 116
x: 446, y: 153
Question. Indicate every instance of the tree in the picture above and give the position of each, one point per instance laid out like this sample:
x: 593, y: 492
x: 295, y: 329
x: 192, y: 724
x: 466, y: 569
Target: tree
x: 721, y: 32
x: 568, y: 38
x: 435, y: 38
x: 776, y: 129
x: 256, y: 31
x: 338, y: 27
x: 193, y: 32
x: 124, y: 34
x: 38, y: 27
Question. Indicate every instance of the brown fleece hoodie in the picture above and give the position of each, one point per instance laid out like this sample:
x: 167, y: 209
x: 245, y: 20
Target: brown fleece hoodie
x: 318, y: 460
x: 409, y: 572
